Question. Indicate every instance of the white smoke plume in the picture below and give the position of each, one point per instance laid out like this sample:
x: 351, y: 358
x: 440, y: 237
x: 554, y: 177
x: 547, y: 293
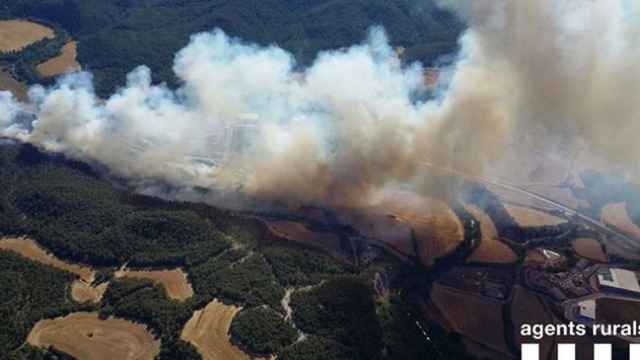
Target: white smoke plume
x: 561, y: 74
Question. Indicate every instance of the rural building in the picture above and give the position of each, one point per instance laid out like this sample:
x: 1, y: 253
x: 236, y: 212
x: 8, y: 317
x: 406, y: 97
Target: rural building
x: 587, y: 311
x: 619, y: 281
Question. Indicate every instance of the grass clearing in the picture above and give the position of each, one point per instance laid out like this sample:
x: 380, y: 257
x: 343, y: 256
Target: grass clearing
x: 31, y: 250
x: 63, y: 63
x: 17, y: 34
x: 208, y: 331
x: 174, y: 281
x: 84, y: 336
x: 82, y: 292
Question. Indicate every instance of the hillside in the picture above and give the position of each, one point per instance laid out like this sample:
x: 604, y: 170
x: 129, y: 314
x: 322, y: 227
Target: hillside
x: 117, y: 35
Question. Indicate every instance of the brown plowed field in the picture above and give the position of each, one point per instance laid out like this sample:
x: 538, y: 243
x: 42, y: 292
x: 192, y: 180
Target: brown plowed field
x: 86, y: 337
x: 491, y: 249
x: 527, y: 308
x: 174, y: 281
x: 208, y: 331
x: 31, y: 250
x: 469, y: 315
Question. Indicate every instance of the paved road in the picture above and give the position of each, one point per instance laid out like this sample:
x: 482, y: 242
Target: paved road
x: 620, y: 240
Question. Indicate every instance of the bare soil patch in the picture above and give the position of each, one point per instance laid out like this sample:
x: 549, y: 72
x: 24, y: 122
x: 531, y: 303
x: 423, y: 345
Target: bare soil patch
x: 590, y: 248
x: 616, y: 215
x: 84, y: 336
x: 83, y: 292
x: 17, y: 34
x: 174, y: 281
x: 63, y: 63
x: 530, y: 217
x: 31, y: 250
x: 208, y: 331
x: 491, y: 249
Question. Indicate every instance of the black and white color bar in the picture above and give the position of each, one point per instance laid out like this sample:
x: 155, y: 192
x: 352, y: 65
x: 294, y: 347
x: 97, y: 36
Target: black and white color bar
x: 568, y: 352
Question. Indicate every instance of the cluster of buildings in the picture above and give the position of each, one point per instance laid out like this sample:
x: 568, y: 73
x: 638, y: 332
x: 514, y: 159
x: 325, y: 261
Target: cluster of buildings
x: 561, y: 286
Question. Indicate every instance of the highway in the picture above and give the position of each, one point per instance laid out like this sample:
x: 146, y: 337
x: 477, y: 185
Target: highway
x: 620, y: 240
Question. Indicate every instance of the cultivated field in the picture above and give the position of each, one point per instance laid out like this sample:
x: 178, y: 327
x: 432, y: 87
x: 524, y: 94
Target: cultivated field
x: 16, y: 34
x: 208, y: 331
x: 83, y: 292
x: 616, y: 215
x: 436, y: 228
x: 491, y: 249
x: 527, y: 308
x: 614, y: 311
x: 174, y: 281
x: 530, y: 217
x: 61, y: 64
x: 469, y: 315
x: 84, y: 336
x: 590, y: 248
x: 31, y: 250
x: 8, y: 83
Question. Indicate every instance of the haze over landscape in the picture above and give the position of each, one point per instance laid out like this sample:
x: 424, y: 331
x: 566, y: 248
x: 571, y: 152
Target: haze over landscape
x: 564, y: 80
x: 317, y: 180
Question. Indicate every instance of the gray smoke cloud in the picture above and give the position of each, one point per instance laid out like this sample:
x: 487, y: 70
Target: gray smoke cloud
x: 561, y: 75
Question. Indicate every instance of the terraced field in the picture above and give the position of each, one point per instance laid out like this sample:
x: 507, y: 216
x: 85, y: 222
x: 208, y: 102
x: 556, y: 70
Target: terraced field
x: 84, y: 336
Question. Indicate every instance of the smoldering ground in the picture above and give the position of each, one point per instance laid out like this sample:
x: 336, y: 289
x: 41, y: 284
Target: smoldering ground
x: 560, y: 75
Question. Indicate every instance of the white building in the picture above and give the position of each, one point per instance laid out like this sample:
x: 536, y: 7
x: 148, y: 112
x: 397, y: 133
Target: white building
x: 587, y: 310
x: 619, y: 280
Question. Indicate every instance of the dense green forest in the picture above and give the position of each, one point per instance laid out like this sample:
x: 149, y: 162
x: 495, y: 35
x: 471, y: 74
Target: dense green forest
x: 81, y: 217
x: 342, y: 310
x: 28, y: 292
x: 117, y: 35
x: 262, y: 331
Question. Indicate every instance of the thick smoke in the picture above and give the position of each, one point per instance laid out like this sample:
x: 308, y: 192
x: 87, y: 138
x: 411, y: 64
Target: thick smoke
x: 558, y: 74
